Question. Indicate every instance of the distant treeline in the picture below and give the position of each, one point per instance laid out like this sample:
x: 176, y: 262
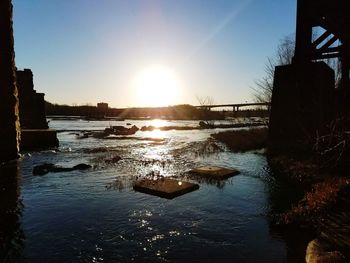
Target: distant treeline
x: 178, y: 112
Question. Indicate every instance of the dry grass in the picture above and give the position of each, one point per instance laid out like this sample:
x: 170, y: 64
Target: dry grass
x: 243, y: 140
x: 298, y: 171
x: 316, y: 202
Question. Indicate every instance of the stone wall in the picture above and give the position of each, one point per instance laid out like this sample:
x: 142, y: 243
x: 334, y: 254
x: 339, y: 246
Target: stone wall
x: 9, y: 120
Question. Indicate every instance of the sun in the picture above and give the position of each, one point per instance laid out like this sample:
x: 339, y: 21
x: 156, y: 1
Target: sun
x: 156, y: 86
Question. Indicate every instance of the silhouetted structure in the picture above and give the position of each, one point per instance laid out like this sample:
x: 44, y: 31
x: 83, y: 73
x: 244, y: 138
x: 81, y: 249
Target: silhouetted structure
x: 102, y: 109
x: 177, y: 112
x: 102, y: 106
x: 31, y: 103
x: 304, y: 92
x: 11, y: 233
x: 334, y: 18
x: 9, y: 122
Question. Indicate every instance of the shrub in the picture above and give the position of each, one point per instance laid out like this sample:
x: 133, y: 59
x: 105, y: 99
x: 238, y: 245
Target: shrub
x: 243, y: 140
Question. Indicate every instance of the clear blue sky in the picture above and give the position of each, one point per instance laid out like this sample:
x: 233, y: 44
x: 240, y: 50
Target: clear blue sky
x: 89, y: 51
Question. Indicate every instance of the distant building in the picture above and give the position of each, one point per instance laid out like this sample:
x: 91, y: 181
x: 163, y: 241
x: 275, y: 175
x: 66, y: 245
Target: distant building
x: 31, y: 104
x: 102, y: 106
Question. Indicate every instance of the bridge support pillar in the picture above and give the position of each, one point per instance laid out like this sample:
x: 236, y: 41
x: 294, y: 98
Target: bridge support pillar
x: 9, y: 121
x: 302, y: 105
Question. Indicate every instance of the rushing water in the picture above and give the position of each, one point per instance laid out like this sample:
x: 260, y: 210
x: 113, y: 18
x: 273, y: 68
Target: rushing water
x: 96, y: 216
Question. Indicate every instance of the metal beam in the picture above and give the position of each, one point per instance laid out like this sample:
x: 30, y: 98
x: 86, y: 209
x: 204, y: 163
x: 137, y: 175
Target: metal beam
x: 328, y: 43
x: 322, y: 38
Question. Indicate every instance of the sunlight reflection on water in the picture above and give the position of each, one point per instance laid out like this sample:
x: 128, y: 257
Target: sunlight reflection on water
x: 159, y: 123
x: 96, y: 215
x: 156, y: 133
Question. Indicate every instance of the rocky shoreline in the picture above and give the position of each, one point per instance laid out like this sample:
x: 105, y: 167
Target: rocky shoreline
x: 323, y: 210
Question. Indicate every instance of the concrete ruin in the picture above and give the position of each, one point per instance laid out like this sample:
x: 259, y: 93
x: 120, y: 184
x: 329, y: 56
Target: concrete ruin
x: 165, y: 187
x: 31, y: 103
x: 35, y: 133
x: 9, y: 119
x: 214, y: 172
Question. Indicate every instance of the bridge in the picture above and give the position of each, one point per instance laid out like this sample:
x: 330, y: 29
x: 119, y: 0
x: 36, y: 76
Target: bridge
x: 235, y: 106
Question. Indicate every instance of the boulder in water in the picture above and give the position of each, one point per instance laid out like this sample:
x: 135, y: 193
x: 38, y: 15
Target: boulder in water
x: 49, y: 167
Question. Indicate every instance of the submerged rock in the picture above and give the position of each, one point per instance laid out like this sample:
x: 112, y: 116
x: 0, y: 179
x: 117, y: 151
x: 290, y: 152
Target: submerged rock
x: 205, y: 125
x: 81, y: 166
x: 96, y: 150
x: 43, y: 169
x: 114, y: 159
x: 114, y: 131
x: 121, y: 130
x: 84, y: 135
x: 50, y: 167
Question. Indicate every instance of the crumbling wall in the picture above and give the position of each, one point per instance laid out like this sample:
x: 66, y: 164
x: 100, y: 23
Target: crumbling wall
x: 31, y: 103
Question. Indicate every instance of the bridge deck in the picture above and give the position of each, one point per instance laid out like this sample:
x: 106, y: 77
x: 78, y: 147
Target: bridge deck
x: 239, y: 105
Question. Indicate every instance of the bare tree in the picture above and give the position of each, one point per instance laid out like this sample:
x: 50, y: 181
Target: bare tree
x: 206, y: 115
x: 262, y: 91
x: 205, y: 101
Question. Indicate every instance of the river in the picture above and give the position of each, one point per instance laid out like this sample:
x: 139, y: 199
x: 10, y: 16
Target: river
x: 96, y: 216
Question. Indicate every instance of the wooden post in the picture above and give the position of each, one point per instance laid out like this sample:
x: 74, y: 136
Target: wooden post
x: 9, y: 121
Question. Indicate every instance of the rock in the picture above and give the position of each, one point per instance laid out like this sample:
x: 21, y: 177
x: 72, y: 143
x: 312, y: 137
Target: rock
x: 84, y: 135
x: 148, y: 128
x: 165, y: 187
x: 114, y: 159
x: 96, y: 150
x: 81, y: 166
x: 319, y: 252
x: 43, y: 169
x: 121, y: 130
x: 49, y: 167
x: 205, y: 125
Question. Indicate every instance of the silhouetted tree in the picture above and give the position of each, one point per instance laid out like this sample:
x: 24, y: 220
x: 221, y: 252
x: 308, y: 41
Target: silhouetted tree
x: 262, y: 91
x: 206, y: 114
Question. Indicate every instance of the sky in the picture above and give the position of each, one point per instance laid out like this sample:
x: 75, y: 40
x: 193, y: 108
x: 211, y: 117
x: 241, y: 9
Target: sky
x: 132, y: 53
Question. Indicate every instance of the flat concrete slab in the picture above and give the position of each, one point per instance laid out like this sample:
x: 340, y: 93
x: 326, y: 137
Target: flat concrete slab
x: 214, y: 172
x: 165, y: 187
x: 38, y: 139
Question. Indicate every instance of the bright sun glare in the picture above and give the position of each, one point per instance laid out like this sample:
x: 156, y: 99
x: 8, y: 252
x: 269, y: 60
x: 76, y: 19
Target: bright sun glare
x: 156, y: 86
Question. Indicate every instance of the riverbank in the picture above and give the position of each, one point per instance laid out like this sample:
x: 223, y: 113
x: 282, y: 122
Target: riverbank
x: 323, y: 208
